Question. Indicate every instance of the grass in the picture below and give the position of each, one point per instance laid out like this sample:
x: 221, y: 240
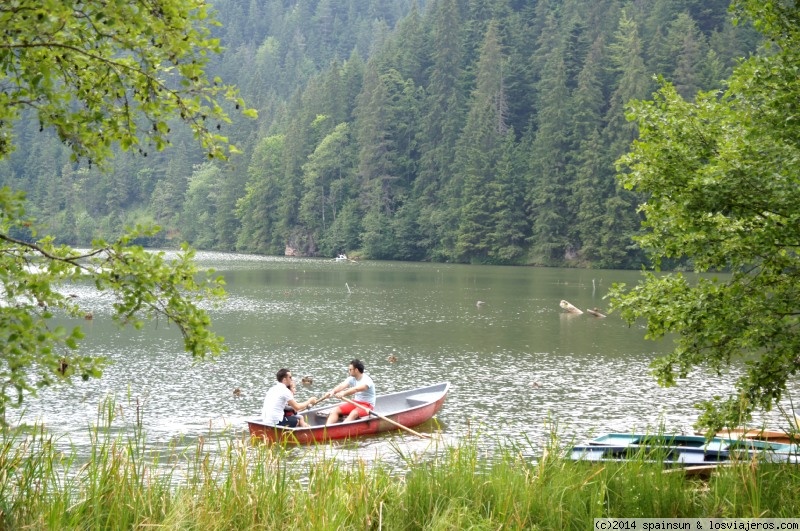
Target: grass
x: 127, y: 484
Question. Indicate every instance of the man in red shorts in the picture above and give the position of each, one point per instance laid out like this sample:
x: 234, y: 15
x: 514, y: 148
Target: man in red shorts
x: 359, y: 385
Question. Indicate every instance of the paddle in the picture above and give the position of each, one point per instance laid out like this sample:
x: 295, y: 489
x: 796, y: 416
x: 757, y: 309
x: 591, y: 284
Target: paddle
x: 322, y: 400
x: 390, y: 421
x: 317, y: 402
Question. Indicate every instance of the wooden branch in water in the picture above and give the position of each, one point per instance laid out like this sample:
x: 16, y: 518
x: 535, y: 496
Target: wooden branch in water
x: 569, y: 307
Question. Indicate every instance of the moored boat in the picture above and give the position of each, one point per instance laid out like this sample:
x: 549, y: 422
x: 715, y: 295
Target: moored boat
x: 758, y: 434
x: 393, y: 411
x: 682, y: 450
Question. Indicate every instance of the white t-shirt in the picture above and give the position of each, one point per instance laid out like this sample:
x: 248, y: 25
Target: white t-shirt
x: 368, y: 394
x: 274, y: 403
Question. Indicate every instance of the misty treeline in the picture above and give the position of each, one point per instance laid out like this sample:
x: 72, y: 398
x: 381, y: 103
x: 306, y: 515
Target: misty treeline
x: 479, y: 131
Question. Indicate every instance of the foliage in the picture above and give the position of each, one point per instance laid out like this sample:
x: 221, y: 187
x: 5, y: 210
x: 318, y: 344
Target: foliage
x: 437, y: 178
x: 723, y: 191
x: 35, y: 274
x: 418, y: 87
x: 106, y: 73
x: 100, y: 74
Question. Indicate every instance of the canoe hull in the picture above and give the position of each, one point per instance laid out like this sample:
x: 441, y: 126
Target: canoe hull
x: 681, y: 450
x: 408, y: 408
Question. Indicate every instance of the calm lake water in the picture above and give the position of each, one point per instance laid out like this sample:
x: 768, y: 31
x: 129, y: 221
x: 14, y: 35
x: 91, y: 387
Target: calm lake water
x: 519, y: 365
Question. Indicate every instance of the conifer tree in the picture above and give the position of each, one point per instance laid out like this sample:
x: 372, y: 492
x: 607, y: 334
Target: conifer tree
x: 479, y: 149
x: 328, y: 179
x: 258, y: 210
x: 441, y: 123
x: 549, y: 164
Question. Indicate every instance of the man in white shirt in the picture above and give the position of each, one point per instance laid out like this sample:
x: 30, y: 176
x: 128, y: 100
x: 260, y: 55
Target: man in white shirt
x: 278, y: 397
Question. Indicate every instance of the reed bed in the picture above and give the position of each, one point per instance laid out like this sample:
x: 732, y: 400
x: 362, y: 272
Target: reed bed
x: 127, y: 484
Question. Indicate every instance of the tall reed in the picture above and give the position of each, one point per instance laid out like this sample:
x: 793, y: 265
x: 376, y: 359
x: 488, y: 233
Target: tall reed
x: 129, y: 483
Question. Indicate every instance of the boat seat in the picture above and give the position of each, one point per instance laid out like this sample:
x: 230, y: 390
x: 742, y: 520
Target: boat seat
x: 324, y: 414
x: 422, y: 398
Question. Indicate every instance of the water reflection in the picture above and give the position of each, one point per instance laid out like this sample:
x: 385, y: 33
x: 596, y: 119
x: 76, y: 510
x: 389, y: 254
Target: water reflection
x: 517, y: 363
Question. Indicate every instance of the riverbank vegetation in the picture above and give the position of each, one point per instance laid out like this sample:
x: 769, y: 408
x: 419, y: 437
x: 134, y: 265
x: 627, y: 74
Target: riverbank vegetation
x: 127, y: 483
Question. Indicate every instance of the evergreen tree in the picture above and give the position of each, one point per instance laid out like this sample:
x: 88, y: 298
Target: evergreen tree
x: 550, y: 165
x: 688, y: 45
x: 230, y: 185
x: 345, y: 232
x: 509, y: 222
x: 621, y: 219
x: 594, y: 174
x: 170, y: 192
x: 258, y: 210
x: 200, y: 208
x: 479, y: 149
x: 299, y: 61
x: 441, y: 123
x: 327, y: 182
x: 385, y: 158
x: 300, y: 140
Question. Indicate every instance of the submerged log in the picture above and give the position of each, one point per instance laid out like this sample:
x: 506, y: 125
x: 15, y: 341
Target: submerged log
x: 569, y: 307
x: 595, y: 312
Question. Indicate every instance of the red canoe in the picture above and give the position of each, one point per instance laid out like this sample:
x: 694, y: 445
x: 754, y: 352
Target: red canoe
x: 408, y: 408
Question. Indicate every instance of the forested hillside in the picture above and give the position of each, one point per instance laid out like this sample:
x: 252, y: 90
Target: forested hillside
x: 480, y: 131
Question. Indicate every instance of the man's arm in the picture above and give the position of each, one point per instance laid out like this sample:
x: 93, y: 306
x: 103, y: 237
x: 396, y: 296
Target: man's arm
x: 353, y: 390
x: 300, y: 406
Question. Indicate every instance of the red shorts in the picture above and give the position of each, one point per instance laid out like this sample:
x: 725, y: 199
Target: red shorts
x: 362, y: 412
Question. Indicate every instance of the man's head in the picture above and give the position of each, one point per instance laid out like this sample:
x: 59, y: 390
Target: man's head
x: 284, y: 376
x: 358, y: 365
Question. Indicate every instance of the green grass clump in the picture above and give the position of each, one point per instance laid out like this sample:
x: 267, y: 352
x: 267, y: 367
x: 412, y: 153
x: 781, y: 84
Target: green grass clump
x: 127, y: 483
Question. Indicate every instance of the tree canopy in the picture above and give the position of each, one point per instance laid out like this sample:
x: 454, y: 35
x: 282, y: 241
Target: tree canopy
x: 722, y: 180
x: 102, y: 75
x: 444, y: 103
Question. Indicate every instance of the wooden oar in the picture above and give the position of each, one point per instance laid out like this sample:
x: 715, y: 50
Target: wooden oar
x: 322, y: 400
x: 390, y: 421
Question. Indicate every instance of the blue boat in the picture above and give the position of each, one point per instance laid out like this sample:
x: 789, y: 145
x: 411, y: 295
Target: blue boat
x: 682, y: 450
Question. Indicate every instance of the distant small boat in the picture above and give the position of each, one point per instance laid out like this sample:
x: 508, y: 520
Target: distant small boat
x: 682, y: 450
x: 402, y: 409
x: 341, y: 258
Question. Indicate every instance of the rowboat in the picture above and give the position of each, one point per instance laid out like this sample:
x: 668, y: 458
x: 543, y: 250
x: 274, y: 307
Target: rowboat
x: 393, y: 411
x: 682, y: 450
x: 792, y: 435
x: 778, y: 436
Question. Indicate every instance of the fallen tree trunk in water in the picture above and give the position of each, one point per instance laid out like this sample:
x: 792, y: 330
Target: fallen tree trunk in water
x: 569, y: 307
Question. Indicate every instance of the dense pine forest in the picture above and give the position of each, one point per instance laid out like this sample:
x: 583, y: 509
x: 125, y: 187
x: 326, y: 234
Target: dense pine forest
x: 474, y: 131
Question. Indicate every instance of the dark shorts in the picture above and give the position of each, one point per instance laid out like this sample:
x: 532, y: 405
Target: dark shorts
x: 291, y: 421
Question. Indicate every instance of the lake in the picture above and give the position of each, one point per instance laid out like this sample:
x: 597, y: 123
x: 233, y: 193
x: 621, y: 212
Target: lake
x: 518, y: 364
